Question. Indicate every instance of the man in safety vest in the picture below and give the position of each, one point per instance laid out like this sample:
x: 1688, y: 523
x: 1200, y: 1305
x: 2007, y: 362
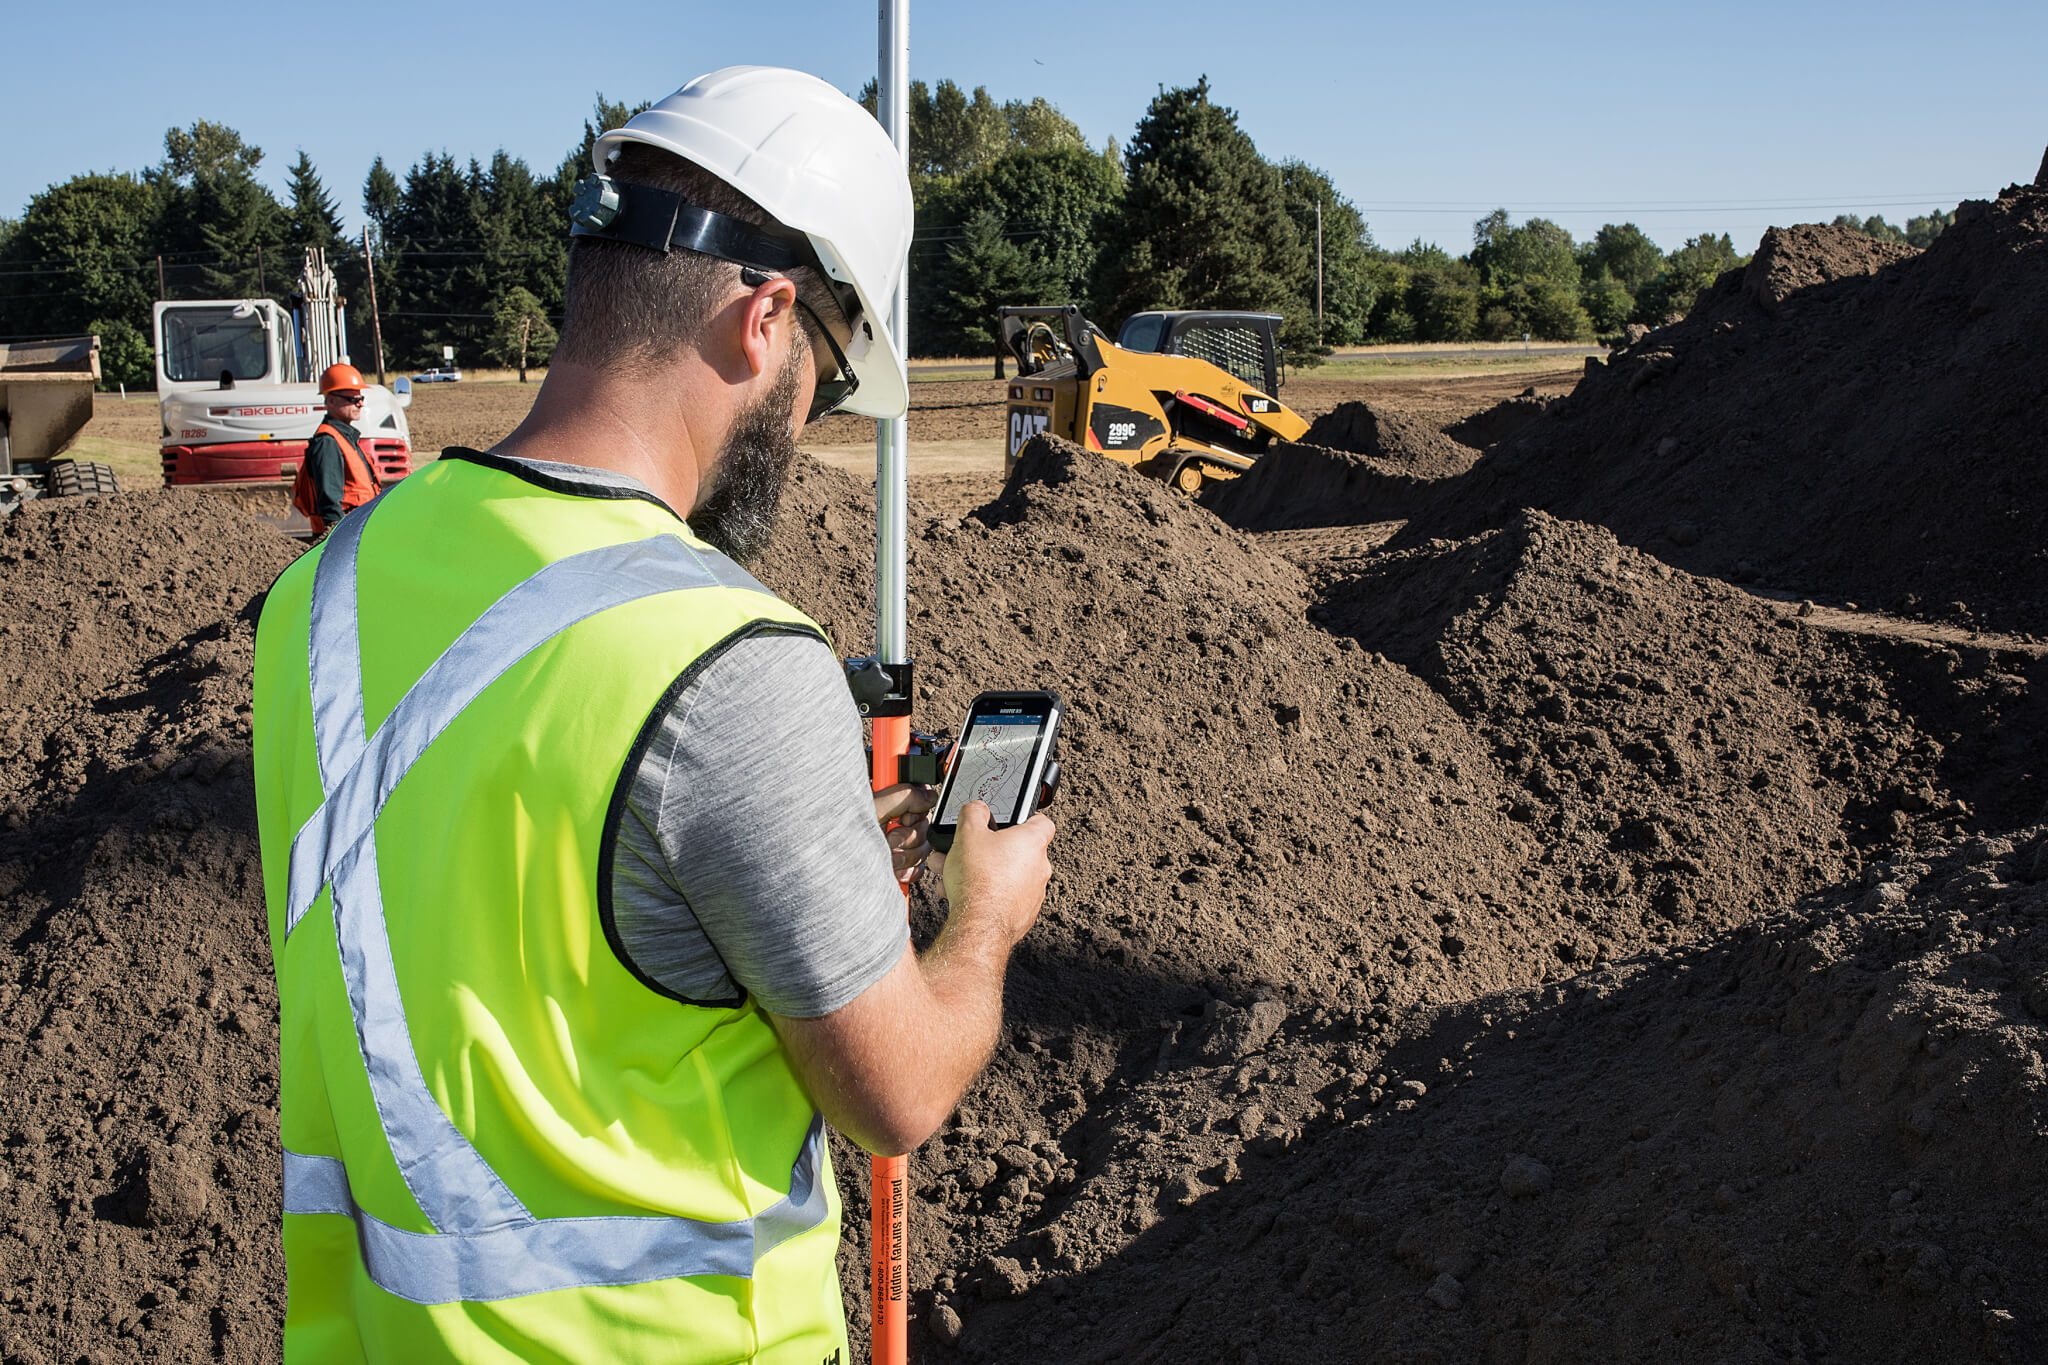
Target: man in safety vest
x: 584, y: 920
x: 335, y: 476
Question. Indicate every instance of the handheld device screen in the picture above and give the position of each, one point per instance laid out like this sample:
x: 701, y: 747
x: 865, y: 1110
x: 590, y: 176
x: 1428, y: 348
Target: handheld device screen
x: 992, y: 764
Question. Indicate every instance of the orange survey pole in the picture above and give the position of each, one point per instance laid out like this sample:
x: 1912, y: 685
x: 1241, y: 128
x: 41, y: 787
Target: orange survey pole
x: 889, y: 1187
x: 889, y: 1179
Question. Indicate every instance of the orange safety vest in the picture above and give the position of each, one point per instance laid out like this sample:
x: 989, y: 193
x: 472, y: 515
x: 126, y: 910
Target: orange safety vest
x: 359, y: 480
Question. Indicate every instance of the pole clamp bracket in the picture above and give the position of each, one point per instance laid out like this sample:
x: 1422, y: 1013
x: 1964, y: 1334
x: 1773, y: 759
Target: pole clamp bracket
x: 879, y: 688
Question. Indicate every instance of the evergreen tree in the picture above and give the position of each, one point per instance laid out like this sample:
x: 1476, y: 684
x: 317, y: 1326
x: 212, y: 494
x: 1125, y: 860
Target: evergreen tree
x: 981, y: 272
x: 525, y: 234
x: 311, y: 218
x: 582, y: 160
x: 380, y: 200
x: 1204, y: 222
x: 438, y: 297
x: 217, y: 218
x: 1053, y: 206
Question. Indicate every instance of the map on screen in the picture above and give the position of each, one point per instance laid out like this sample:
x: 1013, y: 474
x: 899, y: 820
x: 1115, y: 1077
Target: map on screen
x: 992, y: 764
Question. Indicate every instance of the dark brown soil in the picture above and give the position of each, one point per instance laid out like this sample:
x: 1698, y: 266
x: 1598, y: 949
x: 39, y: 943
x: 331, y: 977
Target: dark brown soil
x: 1282, y: 860
x: 1497, y: 423
x: 1358, y: 463
x: 1844, y: 419
x: 1505, y: 947
x: 138, y: 1019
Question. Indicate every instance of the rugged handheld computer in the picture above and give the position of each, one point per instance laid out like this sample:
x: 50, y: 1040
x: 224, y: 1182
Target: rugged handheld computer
x: 1004, y: 756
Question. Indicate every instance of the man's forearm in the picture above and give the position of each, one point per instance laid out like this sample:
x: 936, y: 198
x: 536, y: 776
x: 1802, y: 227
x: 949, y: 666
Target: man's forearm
x: 964, y: 970
x: 887, y: 1069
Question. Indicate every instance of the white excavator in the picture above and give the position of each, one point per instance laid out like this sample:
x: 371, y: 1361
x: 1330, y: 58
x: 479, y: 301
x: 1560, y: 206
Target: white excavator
x: 238, y: 391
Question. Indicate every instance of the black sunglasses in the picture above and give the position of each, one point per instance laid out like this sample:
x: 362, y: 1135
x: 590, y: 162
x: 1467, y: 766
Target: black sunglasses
x: 831, y: 394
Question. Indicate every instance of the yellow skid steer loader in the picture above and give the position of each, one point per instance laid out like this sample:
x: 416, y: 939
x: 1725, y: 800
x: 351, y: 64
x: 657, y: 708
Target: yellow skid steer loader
x: 1185, y: 396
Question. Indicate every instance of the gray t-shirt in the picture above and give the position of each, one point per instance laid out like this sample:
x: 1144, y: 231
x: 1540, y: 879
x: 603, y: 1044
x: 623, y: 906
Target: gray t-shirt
x: 748, y: 858
x: 745, y: 857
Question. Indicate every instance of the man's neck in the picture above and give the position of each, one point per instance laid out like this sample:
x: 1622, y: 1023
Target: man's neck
x: 648, y: 429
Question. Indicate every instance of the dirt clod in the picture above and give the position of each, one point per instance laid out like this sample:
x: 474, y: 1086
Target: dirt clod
x: 1524, y: 1178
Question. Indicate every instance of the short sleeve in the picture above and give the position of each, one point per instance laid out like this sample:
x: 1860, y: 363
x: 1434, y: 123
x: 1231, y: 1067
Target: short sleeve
x: 748, y: 858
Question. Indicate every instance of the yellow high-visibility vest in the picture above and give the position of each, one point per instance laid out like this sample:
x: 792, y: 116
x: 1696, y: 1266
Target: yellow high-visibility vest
x: 500, y: 1144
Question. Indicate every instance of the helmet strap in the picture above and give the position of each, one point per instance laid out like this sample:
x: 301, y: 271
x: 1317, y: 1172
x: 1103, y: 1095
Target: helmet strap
x: 661, y: 220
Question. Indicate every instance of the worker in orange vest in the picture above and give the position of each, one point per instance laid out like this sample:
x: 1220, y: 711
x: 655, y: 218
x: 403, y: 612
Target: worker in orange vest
x: 336, y: 477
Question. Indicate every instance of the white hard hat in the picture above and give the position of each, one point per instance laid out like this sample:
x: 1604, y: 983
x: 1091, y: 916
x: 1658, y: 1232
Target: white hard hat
x: 820, y: 165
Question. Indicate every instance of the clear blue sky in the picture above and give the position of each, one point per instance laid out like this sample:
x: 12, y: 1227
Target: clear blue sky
x: 1686, y: 119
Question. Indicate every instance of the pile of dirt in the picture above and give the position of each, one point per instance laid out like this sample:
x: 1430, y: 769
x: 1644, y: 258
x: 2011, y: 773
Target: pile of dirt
x: 1499, y: 945
x: 139, y: 1165
x: 1544, y: 753
x: 1356, y: 464
x: 1818, y: 1137
x: 1497, y: 423
x: 1846, y: 419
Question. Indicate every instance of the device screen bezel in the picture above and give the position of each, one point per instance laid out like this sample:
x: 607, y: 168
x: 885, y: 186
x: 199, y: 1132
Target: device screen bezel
x: 1045, y: 704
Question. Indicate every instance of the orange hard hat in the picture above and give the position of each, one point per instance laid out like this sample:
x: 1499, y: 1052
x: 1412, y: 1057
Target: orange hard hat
x: 336, y: 377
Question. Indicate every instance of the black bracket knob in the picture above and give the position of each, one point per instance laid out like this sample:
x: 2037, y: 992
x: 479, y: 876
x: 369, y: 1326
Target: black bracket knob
x: 879, y: 688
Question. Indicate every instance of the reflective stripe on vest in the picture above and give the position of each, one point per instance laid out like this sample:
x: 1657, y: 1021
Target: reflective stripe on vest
x: 487, y: 1245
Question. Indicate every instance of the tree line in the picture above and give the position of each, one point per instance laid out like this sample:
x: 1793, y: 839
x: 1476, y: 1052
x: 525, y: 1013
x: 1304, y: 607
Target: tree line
x: 1013, y: 207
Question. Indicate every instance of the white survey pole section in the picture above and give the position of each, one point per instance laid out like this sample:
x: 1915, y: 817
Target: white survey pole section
x: 892, y: 436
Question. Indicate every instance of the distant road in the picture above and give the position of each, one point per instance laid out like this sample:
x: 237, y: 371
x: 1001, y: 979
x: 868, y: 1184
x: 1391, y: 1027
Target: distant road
x: 1536, y: 350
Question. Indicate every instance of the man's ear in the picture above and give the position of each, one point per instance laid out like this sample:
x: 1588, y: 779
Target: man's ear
x: 768, y: 314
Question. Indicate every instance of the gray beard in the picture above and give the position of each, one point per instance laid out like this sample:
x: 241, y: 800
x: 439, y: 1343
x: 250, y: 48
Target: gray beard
x: 736, y: 514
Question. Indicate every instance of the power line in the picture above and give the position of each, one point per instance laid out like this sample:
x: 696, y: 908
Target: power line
x: 1640, y: 210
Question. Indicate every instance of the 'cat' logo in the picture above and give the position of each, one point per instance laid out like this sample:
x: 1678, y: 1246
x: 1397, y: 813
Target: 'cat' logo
x: 1119, y: 432
x: 1258, y: 405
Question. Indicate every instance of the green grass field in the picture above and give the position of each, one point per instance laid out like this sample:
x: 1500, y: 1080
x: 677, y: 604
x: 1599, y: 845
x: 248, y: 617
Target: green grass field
x: 1369, y: 367
x: 135, y: 463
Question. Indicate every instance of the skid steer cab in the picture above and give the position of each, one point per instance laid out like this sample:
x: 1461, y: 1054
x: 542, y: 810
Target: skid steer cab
x: 1186, y: 397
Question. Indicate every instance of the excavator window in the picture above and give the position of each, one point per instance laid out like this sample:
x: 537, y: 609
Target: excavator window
x: 209, y: 343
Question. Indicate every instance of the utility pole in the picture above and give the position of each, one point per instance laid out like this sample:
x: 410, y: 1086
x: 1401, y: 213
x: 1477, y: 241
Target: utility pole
x: 1319, y: 270
x: 160, y: 295
x: 525, y: 332
x: 262, y: 287
x: 376, y: 324
x: 889, y: 1179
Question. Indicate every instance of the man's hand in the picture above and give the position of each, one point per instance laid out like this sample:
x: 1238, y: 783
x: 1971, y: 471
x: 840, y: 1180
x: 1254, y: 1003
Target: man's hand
x: 998, y: 874
x: 901, y: 810
x: 889, y: 1066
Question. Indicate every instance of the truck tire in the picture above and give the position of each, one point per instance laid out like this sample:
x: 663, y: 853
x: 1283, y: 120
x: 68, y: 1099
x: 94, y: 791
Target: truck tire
x: 75, y: 478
